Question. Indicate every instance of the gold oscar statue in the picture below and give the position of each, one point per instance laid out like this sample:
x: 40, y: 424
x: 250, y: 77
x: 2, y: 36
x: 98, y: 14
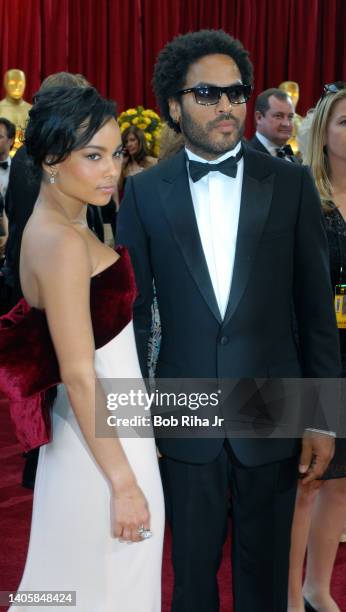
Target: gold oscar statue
x: 13, y: 107
x: 292, y: 89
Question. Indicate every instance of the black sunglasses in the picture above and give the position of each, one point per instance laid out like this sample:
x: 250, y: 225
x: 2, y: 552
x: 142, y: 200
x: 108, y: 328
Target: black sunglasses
x: 333, y: 87
x: 211, y: 94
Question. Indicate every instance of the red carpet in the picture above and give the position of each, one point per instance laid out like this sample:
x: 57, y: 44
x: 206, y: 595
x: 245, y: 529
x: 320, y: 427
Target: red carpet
x: 15, y: 512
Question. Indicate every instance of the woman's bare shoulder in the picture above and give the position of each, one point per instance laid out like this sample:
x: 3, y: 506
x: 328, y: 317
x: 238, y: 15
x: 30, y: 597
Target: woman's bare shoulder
x: 49, y: 245
x: 151, y: 161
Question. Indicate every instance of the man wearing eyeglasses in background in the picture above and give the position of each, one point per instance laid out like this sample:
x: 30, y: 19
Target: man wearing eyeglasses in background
x: 274, y: 115
x: 231, y: 237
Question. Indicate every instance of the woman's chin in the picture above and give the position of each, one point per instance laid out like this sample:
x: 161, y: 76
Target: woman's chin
x: 102, y: 200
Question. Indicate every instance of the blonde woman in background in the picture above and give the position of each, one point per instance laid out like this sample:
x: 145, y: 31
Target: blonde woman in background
x: 320, y: 512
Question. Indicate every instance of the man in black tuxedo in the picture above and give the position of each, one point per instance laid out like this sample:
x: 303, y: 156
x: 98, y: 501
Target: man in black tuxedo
x: 7, y: 135
x: 231, y: 237
x: 274, y: 116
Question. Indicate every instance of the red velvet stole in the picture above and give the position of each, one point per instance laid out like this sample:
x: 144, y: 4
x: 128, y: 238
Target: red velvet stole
x: 28, y: 364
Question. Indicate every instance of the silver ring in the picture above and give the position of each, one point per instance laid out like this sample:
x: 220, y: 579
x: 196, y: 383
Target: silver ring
x: 144, y: 534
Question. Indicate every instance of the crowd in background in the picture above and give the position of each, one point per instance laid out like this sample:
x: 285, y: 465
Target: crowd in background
x: 320, y: 509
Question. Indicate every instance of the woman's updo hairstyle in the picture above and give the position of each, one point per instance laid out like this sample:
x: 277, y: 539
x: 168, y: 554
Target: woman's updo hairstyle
x: 62, y: 120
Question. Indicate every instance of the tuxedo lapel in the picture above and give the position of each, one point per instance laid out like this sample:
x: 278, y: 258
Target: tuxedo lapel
x: 256, y: 144
x: 177, y: 203
x: 258, y: 181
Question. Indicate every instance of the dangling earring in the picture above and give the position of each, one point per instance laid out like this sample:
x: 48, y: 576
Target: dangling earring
x: 53, y: 174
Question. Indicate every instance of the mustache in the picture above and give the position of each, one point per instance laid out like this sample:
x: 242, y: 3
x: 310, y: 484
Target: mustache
x: 221, y: 118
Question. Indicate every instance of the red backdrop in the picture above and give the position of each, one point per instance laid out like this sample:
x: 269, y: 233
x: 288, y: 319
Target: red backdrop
x: 114, y: 43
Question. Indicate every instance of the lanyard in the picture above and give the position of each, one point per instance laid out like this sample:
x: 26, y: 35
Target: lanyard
x: 341, y: 259
x: 341, y: 250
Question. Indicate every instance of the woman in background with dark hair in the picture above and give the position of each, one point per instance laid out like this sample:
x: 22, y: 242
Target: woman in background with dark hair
x: 320, y: 511
x: 137, y: 158
x: 92, y: 493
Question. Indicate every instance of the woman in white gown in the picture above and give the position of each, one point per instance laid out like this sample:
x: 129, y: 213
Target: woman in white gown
x: 93, y: 495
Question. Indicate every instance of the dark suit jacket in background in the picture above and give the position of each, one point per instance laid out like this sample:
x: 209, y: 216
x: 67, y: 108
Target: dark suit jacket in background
x: 281, y: 256
x: 256, y: 144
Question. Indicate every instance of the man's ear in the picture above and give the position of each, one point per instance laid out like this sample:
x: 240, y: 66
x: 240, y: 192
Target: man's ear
x: 174, y: 109
x: 258, y: 117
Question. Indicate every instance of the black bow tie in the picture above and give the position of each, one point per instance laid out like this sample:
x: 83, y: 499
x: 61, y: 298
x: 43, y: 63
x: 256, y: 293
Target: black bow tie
x: 285, y: 150
x: 4, y: 165
x: 229, y: 167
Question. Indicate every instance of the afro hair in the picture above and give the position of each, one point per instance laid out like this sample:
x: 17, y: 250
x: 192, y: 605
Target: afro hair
x: 176, y: 57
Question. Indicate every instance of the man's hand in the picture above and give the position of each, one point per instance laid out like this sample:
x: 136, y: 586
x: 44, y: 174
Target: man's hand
x: 317, y: 452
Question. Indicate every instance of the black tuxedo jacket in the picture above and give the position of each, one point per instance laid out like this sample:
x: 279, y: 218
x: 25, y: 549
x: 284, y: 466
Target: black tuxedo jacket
x: 254, y: 143
x: 281, y: 259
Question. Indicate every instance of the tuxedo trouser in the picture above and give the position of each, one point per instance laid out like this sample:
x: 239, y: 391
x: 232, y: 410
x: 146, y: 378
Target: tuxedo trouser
x: 262, y: 499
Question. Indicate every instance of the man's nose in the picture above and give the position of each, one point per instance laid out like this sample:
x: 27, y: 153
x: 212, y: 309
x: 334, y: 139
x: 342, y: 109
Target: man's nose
x: 224, y: 104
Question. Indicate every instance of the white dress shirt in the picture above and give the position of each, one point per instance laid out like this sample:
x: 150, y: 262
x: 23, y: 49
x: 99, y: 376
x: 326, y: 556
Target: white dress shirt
x: 4, y: 176
x: 216, y: 201
x: 270, y: 146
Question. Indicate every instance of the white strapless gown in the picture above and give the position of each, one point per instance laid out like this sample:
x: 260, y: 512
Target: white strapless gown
x: 71, y: 547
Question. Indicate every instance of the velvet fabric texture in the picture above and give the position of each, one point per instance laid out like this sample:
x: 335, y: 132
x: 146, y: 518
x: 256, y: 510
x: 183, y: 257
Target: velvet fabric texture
x: 29, y: 368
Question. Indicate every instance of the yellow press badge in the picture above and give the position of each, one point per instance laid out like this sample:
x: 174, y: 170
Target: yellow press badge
x: 340, y: 305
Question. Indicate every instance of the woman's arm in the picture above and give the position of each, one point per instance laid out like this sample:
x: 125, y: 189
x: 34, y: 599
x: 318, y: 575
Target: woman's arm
x: 63, y: 277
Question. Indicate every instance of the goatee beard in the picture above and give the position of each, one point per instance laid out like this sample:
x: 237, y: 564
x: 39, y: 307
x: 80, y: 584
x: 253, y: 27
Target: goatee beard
x: 197, y: 138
